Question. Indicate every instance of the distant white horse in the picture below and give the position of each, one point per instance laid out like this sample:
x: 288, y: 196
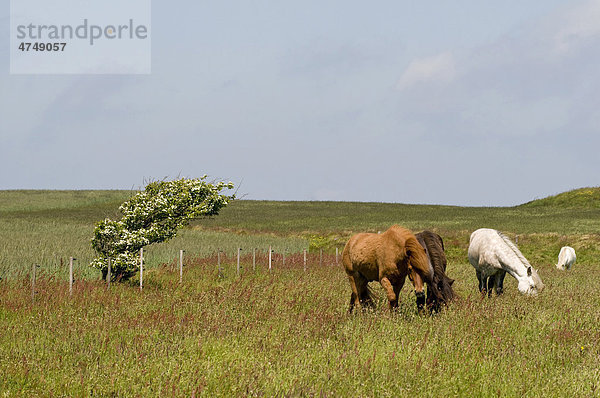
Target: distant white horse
x: 566, y: 258
x: 493, y: 255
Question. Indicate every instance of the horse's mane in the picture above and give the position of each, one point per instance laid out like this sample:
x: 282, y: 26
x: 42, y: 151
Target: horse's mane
x: 434, y: 246
x: 413, y: 248
x: 419, y: 257
x: 515, y: 249
x: 442, y: 284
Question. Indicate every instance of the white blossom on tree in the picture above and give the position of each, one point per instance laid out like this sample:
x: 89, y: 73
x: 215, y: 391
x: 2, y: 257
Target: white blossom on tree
x: 153, y: 216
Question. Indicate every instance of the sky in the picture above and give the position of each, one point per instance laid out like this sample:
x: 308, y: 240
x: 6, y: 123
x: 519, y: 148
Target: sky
x: 462, y: 103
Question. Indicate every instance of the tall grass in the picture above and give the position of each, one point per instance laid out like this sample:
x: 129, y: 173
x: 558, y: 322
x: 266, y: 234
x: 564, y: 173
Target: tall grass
x: 287, y: 333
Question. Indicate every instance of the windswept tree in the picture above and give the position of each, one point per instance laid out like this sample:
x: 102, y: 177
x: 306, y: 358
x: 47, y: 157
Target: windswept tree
x: 152, y: 216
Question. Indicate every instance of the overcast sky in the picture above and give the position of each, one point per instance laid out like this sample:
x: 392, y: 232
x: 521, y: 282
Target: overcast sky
x: 463, y: 102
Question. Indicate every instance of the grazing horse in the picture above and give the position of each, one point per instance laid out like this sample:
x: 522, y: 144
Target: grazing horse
x: 566, y: 258
x: 389, y: 258
x: 434, y: 248
x: 492, y: 255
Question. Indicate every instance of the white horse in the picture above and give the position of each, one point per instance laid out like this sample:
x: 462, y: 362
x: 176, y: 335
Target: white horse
x: 493, y: 255
x: 566, y: 258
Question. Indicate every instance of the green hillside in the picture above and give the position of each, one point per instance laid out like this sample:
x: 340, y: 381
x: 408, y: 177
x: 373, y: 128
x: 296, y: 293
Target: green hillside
x: 581, y: 198
x: 48, y: 227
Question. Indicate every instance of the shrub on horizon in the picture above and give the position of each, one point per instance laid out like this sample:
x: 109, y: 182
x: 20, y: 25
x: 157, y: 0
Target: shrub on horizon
x: 152, y: 216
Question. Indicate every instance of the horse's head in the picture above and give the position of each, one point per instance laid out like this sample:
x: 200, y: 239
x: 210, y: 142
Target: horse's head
x: 532, y: 284
x: 440, y: 292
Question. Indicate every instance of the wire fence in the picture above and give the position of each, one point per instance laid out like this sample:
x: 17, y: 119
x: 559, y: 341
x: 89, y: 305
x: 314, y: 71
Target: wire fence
x: 244, y: 261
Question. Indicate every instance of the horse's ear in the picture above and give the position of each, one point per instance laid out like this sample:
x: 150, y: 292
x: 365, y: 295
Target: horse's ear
x: 528, y: 271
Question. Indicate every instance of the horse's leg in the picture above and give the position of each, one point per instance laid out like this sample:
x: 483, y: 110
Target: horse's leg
x: 482, y: 282
x: 363, y: 293
x: 419, y: 286
x: 392, y: 290
x: 352, y: 301
x: 490, y: 284
x: 500, y: 282
x: 354, y: 296
x: 360, y: 292
x: 398, y: 287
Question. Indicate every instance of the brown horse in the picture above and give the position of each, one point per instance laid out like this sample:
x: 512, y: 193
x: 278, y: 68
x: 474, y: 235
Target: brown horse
x: 388, y: 258
x: 434, y: 248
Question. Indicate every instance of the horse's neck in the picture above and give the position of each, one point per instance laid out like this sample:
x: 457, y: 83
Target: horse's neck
x: 512, y: 262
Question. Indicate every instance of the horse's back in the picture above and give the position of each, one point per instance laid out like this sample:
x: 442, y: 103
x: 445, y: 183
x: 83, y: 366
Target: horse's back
x: 566, y: 257
x: 361, y: 252
x: 567, y: 253
x: 483, y: 250
x: 430, y: 237
x: 396, y: 235
x: 434, y: 245
x: 371, y: 254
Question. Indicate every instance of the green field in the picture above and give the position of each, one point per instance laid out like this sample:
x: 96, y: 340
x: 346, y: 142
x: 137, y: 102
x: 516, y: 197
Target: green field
x: 286, y: 332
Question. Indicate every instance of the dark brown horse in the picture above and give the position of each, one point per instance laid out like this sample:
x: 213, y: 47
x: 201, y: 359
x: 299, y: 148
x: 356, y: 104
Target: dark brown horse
x: 388, y: 258
x: 439, y: 292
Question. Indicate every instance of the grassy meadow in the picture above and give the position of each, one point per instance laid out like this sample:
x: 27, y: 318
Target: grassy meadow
x: 286, y: 332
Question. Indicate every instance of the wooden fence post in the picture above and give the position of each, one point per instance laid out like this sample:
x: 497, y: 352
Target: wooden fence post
x: 336, y: 256
x: 238, y: 261
x: 33, y: 267
x: 321, y: 257
x: 71, y: 276
x: 219, y: 263
x: 108, y: 276
x: 304, y: 259
x: 270, y: 250
x: 181, y: 266
x: 141, y: 268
